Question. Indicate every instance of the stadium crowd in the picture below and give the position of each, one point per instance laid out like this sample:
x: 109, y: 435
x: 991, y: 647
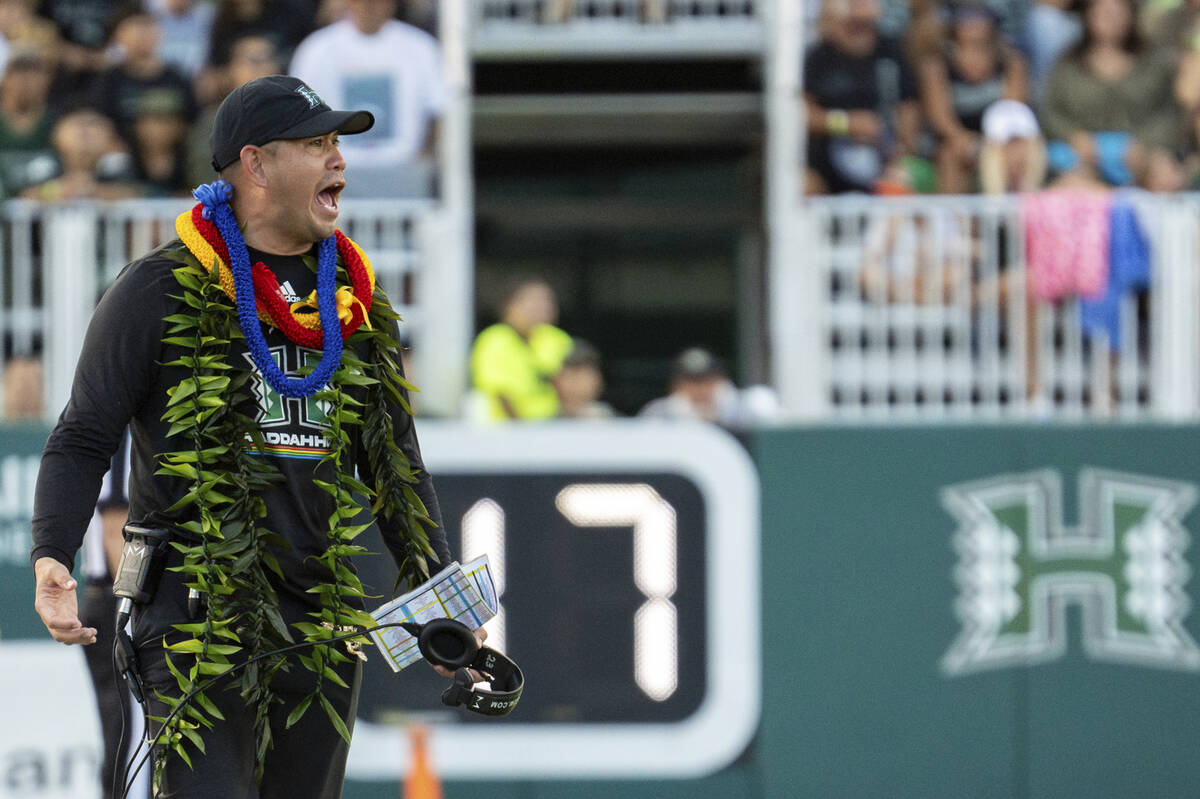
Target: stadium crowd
x: 106, y: 100
x: 996, y: 96
x: 103, y: 99
x: 110, y: 99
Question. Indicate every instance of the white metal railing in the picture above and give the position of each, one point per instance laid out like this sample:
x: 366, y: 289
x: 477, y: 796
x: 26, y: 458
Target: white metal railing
x: 920, y: 310
x: 852, y: 338
x: 56, y: 260
x: 20, y: 289
x: 598, y: 28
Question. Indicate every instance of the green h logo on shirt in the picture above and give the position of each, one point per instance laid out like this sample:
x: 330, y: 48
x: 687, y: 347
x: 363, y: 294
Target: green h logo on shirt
x: 1020, y: 567
x: 275, y: 410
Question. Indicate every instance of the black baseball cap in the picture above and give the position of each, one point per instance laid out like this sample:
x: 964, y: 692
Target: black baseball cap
x: 696, y: 363
x: 276, y: 107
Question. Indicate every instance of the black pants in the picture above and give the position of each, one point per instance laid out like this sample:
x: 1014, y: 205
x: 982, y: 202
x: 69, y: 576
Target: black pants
x: 307, y: 761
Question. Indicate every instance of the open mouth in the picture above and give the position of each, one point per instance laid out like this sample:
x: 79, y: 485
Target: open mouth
x: 327, y: 197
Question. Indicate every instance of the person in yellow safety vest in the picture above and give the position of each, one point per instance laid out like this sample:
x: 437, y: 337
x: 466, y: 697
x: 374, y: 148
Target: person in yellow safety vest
x: 514, y: 361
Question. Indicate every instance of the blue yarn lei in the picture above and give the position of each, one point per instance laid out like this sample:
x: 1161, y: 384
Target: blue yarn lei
x: 215, y: 199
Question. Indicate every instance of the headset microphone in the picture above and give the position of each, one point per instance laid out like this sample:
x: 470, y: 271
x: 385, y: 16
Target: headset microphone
x: 452, y: 645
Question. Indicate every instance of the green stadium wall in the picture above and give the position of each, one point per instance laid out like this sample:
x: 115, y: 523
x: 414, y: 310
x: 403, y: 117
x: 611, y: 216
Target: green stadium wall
x: 862, y: 585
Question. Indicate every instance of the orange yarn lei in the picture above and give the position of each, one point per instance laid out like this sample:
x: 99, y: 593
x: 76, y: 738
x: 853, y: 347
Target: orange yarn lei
x: 203, y: 240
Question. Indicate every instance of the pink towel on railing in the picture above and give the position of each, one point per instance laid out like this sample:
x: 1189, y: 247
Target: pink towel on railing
x: 1066, y: 243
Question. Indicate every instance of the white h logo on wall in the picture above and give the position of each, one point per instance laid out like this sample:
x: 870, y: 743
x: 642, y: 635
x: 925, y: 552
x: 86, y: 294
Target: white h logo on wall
x: 1020, y: 567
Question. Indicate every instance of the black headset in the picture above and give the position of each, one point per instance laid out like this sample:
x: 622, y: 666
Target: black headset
x: 451, y: 644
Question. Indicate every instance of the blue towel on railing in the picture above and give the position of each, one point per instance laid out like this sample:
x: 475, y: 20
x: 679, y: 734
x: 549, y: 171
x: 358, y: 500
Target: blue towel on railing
x: 1128, y: 271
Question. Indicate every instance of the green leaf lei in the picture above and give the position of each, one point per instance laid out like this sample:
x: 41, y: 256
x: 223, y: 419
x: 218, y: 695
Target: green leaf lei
x: 227, y: 557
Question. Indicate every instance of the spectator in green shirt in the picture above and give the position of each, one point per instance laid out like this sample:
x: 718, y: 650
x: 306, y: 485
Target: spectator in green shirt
x: 26, y: 156
x: 1109, y: 112
x: 514, y: 361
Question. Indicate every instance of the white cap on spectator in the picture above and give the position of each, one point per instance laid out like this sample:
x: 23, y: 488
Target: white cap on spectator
x: 1005, y: 120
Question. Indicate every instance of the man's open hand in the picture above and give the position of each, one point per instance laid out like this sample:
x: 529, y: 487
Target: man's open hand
x: 55, y: 602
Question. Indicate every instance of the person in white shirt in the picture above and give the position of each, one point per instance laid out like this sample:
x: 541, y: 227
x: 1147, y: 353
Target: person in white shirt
x: 394, y: 70
x: 185, y: 27
x: 700, y: 390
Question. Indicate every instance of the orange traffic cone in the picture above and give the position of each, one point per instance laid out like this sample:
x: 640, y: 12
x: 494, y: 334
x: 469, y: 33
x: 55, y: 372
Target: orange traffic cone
x: 422, y: 781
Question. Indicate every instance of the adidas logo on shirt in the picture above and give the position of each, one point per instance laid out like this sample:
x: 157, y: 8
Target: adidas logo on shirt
x: 288, y: 293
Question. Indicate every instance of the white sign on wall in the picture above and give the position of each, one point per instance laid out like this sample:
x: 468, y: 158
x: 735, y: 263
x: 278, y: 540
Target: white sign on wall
x: 49, y: 734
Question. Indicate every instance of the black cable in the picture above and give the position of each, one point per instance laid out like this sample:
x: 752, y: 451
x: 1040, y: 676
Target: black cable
x: 118, y: 777
x: 150, y: 739
x: 128, y: 686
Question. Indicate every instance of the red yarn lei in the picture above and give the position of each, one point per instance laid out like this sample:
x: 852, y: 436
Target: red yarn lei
x: 267, y: 293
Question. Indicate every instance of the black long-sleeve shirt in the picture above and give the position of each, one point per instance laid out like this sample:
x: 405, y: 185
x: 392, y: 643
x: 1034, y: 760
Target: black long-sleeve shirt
x: 114, y: 496
x: 119, y: 381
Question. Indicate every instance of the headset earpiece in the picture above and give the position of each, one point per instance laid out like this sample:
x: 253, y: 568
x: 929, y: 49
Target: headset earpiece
x: 448, y: 643
x: 452, y: 645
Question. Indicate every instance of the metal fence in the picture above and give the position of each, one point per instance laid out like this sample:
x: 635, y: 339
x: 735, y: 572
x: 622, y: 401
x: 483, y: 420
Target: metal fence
x: 926, y: 309
x: 918, y: 309
x: 633, y: 11
x: 77, y: 250
x: 596, y: 28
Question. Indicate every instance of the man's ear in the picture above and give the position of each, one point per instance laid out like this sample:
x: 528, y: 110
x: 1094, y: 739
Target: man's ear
x: 251, y: 158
